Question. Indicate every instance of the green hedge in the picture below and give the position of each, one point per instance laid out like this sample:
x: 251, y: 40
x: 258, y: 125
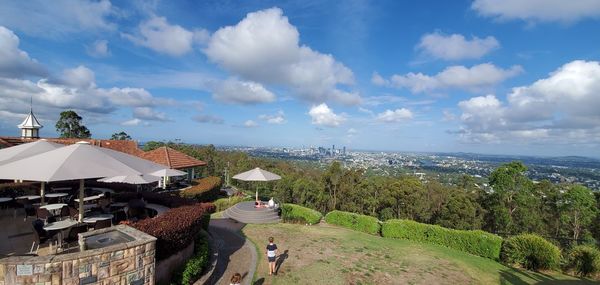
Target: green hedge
x: 193, y: 268
x: 353, y: 221
x: 583, y: 260
x: 474, y: 242
x: 224, y: 203
x: 531, y: 252
x: 299, y: 214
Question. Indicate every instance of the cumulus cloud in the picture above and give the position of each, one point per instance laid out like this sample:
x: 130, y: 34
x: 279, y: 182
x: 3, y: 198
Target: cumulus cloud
x: 157, y: 34
x: 277, y: 119
x: 538, y: 10
x: 474, y: 79
x: 98, y: 48
x: 322, y: 115
x: 562, y: 108
x: 149, y: 114
x: 57, y: 19
x: 455, y: 46
x: 210, y: 119
x: 264, y: 47
x: 241, y: 92
x: 395, y: 116
x: 13, y: 61
x: 80, y: 77
x: 132, y: 122
x: 250, y: 124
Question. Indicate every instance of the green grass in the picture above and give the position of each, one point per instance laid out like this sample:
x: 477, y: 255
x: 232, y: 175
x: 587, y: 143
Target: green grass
x: 325, y: 254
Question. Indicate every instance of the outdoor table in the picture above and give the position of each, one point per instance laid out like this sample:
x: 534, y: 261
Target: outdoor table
x: 60, y: 188
x: 56, y: 195
x: 118, y: 204
x: 5, y: 199
x: 30, y: 197
x: 60, y: 226
x: 53, y: 207
x: 88, y: 207
x: 93, y: 219
x: 90, y: 198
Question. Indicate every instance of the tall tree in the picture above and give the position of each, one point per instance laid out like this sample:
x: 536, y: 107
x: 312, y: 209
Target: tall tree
x: 578, y: 209
x: 122, y: 136
x: 69, y: 126
x: 332, y: 179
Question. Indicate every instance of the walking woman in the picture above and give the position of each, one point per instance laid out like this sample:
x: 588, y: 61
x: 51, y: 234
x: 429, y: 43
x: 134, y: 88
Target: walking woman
x: 271, y: 255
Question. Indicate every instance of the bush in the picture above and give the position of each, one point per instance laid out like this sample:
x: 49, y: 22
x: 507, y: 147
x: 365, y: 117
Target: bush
x: 165, y: 199
x: 584, y: 260
x: 193, y: 268
x: 353, y: 221
x: 474, y: 242
x: 531, y: 252
x: 224, y: 203
x: 205, y: 189
x: 298, y: 214
x: 176, y: 228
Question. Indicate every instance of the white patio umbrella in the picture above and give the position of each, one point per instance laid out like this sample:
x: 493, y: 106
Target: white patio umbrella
x: 25, y: 150
x: 78, y: 161
x: 257, y: 174
x: 131, y: 179
x: 167, y: 172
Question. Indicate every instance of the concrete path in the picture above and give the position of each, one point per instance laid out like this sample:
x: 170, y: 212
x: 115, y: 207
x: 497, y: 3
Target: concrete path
x: 236, y: 253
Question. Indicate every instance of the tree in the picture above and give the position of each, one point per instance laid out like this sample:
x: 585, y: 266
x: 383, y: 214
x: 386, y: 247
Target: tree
x: 332, y: 180
x: 578, y: 209
x: 69, y: 126
x: 122, y: 136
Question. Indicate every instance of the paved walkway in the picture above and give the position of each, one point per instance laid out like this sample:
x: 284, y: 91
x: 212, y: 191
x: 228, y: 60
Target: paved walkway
x: 236, y: 253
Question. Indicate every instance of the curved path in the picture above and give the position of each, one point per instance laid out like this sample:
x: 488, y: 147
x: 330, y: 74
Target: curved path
x: 236, y: 253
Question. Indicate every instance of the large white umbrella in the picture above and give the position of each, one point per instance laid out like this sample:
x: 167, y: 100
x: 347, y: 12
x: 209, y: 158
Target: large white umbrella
x: 257, y: 174
x: 131, y: 179
x: 77, y: 161
x: 167, y: 172
x: 21, y: 151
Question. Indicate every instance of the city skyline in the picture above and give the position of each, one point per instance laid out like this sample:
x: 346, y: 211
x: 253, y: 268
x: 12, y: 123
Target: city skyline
x: 468, y: 76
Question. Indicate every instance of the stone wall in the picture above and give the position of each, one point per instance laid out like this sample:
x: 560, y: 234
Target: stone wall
x: 124, y: 263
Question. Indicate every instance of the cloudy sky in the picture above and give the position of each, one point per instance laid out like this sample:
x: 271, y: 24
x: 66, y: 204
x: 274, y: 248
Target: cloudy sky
x: 505, y: 77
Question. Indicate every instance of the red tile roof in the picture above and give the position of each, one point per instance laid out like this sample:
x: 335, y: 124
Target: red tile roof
x: 172, y: 158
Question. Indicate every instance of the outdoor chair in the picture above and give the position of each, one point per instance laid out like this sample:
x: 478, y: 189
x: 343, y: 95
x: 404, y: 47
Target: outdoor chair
x: 74, y: 231
x: 64, y: 212
x: 73, y: 213
x: 40, y: 235
x: 43, y: 214
x: 119, y: 216
x: 102, y: 224
x: 29, y: 211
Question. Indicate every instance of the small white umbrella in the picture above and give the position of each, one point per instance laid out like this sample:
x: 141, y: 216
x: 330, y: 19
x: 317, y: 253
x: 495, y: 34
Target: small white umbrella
x: 131, y: 179
x: 167, y: 172
x: 78, y: 161
x: 257, y: 174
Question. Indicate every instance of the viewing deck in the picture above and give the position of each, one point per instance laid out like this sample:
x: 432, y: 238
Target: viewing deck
x: 245, y: 212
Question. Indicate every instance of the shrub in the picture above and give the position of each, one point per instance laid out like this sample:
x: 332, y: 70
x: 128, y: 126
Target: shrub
x: 474, y: 242
x: 205, y: 189
x: 299, y: 214
x: 165, y: 199
x: 176, y: 228
x: 531, y: 252
x: 353, y: 221
x: 224, y: 203
x: 584, y: 260
x: 193, y: 268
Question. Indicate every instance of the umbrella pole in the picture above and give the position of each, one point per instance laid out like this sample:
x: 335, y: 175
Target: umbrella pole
x: 43, y: 191
x: 81, y: 196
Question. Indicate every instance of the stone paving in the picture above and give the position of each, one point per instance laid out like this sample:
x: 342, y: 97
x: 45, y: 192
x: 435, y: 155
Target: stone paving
x: 236, y: 253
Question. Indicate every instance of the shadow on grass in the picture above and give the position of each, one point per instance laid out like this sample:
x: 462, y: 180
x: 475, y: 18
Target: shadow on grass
x: 280, y: 260
x: 513, y: 276
x: 259, y: 281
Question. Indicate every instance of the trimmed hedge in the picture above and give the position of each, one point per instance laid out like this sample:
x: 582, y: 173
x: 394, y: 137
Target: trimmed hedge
x: 299, y: 214
x: 205, y: 189
x: 176, y: 228
x: 474, y: 242
x: 165, y: 199
x: 530, y: 252
x: 354, y: 221
x: 224, y: 203
x: 193, y: 268
x: 583, y: 260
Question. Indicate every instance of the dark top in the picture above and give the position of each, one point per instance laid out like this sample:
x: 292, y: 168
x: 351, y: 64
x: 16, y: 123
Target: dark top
x: 271, y: 250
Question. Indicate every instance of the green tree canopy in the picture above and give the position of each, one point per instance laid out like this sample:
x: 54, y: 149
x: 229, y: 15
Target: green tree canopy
x: 122, y: 136
x: 578, y: 209
x: 69, y: 126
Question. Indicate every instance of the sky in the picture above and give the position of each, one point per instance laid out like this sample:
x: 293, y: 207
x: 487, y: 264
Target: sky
x: 482, y: 76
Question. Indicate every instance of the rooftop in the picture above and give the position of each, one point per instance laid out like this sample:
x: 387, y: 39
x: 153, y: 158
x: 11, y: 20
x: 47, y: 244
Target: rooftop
x: 172, y: 158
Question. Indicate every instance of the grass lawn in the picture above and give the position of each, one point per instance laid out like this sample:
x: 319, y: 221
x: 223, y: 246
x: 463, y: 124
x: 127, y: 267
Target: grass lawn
x: 324, y: 254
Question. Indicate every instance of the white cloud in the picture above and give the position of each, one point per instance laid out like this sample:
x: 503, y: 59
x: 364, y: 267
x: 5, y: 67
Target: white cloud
x: 474, y: 79
x: 80, y: 77
x: 455, y: 46
x: 149, y: 114
x: 562, y: 108
x: 13, y: 61
x: 241, y: 92
x: 395, y: 116
x: 538, y: 10
x: 277, y: 119
x: 322, y: 115
x: 157, y: 34
x: 264, y: 47
x: 250, y: 124
x: 132, y: 122
x: 57, y: 19
x: 208, y: 119
x: 98, y: 48
x: 352, y: 131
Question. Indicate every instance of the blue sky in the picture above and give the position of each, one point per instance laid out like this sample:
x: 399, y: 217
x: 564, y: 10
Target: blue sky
x: 487, y: 76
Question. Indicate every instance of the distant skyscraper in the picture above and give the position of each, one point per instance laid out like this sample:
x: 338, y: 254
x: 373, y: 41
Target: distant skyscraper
x: 344, y: 151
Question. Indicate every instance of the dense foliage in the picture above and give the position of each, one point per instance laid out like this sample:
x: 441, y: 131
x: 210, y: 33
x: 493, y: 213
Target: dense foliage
x: 176, y: 228
x: 353, y: 221
x: 224, y: 203
x: 167, y: 200
x: 475, y: 242
x: 194, y: 266
x: 298, y: 214
x: 120, y: 136
x: 204, y: 189
x: 69, y: 125
x: 584, y: 260
x: 531, y: 251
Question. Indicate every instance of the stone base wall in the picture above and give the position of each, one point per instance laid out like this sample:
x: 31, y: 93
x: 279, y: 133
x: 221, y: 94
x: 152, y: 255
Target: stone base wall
x: 125, y: 263
x: 166, y: 268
